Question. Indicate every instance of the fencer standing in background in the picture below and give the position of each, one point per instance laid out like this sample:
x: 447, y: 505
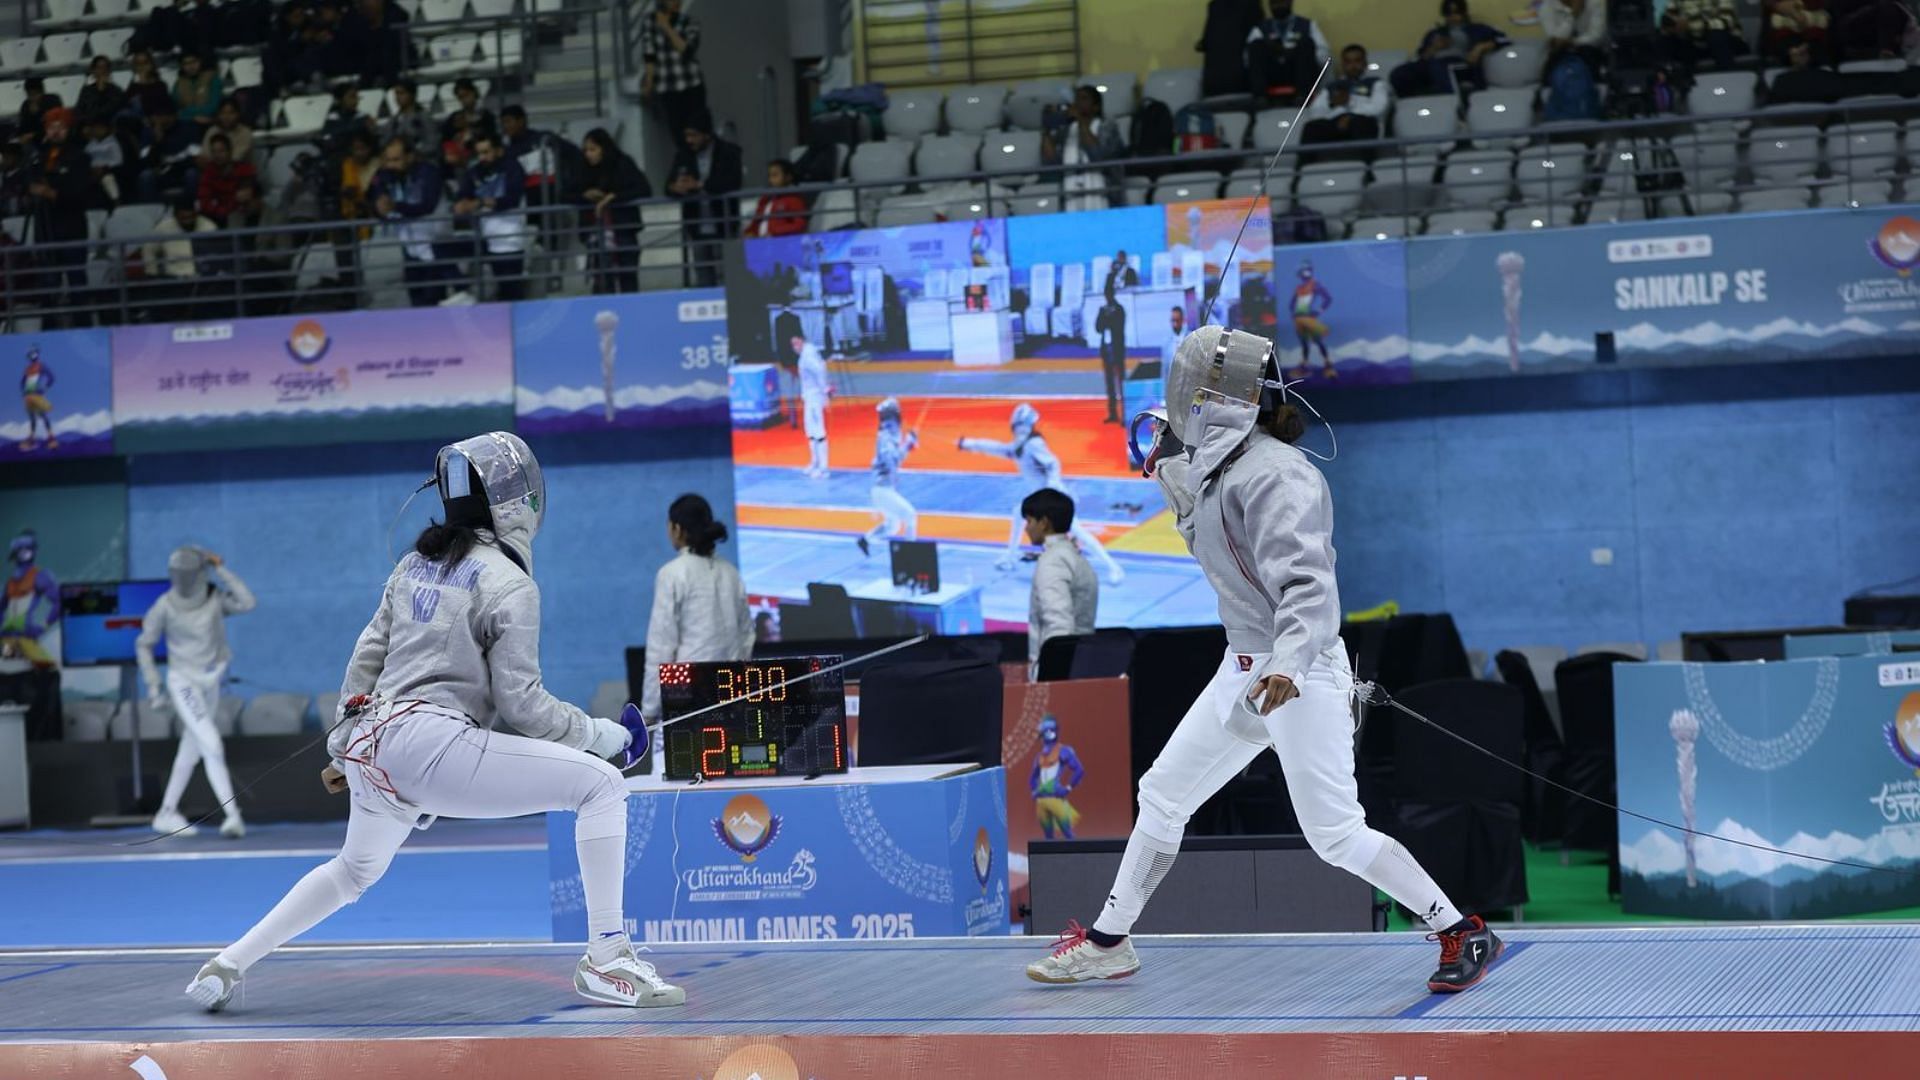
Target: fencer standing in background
x: 815, y: 387
x: 1258, y: 518
x: 699, y: 602
x: 1040, y: 467
x: 453, y: 647
x: 191, y: 617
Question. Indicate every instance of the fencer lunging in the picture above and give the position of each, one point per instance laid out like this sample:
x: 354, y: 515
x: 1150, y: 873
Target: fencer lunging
x: 453, y: 644
x: 890, y: 448
x: 1258, y: 517
x: 1040, y: 467
x: 191, y: 618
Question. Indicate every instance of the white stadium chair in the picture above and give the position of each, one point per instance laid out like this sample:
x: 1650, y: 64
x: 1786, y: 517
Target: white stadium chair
x: 912, y: 113
x: 1029, y: 100
x: 1478, y: 178
x: 1551, y: 174
x: 1722, y: 93
x: 976, y: 109
x: 1186, y: 187
x: 1866, y: 150
x: 1517, y: 65
x: 1385, y: 227
x: 947, y: 155
x: 1780, y: 155
x: 1331, y: 188
x: 1460, y: 222
x: 1116, y: 93
x: 1177, y: 88
x: 1500, y: 116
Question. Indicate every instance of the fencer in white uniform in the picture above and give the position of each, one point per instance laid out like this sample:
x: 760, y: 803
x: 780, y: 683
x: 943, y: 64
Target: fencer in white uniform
x: 699, y: 602
x: 815, y: 387
x: 1040, y: 468
x: 191, y: 617
x: 453, y: 648
x: 1258, y: 517
x: 890, y: 449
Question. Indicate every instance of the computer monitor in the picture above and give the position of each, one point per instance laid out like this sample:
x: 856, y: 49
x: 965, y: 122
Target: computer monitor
x: 916, y: 565
x: 99, y: 621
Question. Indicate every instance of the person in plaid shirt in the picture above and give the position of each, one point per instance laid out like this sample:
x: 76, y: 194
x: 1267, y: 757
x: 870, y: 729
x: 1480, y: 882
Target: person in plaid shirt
x: 673, y: 79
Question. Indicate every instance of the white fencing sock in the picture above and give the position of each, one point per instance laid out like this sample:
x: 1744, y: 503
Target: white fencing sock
x: 326, y: 889
x: 1147, y: 860
x: 600, y: 843
x: 1395, y: 873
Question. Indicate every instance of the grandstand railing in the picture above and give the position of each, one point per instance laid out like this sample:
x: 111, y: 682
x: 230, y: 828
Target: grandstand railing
x: 1621, y: 173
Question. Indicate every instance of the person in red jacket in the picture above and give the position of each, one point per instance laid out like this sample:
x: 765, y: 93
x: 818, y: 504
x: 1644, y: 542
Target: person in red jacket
x: 779, y: 214
x: 220, y: 179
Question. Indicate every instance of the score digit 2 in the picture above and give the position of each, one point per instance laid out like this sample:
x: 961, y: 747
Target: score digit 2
x: 714, y: 739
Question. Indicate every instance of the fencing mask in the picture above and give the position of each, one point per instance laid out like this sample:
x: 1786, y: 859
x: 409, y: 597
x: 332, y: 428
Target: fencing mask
x: 493, y: 482
x: 1214, y: 392
x: 1025, y: 418
x: 187, y: 569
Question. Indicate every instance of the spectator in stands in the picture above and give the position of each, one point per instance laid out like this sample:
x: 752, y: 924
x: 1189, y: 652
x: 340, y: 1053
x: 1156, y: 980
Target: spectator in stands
x: 14, y: 178
x: 197, y: 93
x: 101, y: 97
x: 357, y: 168
x: 108, y: 157
x: 1086, y: 138
x: 385, y: 44
x: 34, y: 109
x: 245, y: 23
x: 238, y: 135
x: 1283, y: 53
x: 263, y: 259
x: 672, y: 78
x: 187, y: 26
x: 708, y: 166
x: 147, y: 92
x: 1874, y: 30
x: 344, y: 120
x: 493, y: 189
x: 546, y: 158
x: 408, y: 120
x: 779, y: 214
x: 1804, y: 83
x: 220, y: 177
x: 1354, y: 105
x: 172, y: 261
x: 1791, y: 21
x: 166, y: 156
x: 336, y: 43
x: 286, y: 47
x: 1223, y: 46
x: 456, y: 146
x: 1576, y: 32
x: 62, y: 191
x: 406, y: 194
x: 1449, y: 55
x: 1693, y: 32
x: 610, y: 184
x: 470, y: 111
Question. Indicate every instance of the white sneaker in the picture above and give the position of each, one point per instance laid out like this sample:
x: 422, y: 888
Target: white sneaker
x: 233, y: 828
x: 1075, y: 958
x: 173, y: 823
x: 213, y: 988
x: 625, y: 980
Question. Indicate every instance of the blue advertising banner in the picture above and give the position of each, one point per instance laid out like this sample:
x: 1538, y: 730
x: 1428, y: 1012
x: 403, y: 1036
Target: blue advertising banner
x: 65, y: 407
x: 1697, y: 290
x: 839, y: 857
x: 1868, y: 643
x: 604, y: 363
x: 1817, y: 756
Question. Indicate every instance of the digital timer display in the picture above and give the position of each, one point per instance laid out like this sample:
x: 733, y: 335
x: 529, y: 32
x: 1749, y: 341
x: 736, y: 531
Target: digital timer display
x: 771, y: 725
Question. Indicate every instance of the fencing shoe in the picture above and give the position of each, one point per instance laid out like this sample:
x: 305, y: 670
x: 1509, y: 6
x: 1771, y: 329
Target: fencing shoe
x: 173, y: 823
x: 625, y: 979
x: 213, y: 988
x: 233, y: 828
x: 1075, y: 958
x: 1467, y: 950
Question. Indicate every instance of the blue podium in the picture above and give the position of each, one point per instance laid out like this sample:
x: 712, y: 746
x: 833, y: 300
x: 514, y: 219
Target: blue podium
x: 901, y: 851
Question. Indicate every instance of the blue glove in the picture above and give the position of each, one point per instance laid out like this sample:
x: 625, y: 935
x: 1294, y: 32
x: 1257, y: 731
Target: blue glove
x: 642, y: 738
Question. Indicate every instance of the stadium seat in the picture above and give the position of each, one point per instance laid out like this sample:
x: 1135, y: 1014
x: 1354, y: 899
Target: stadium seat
x: 110, y: 43
x: 1384, y: 227
x: 901, y: 210
x: 1331, y: 188
x: 61, y: 13
x: 449, y: 55
x: 247, y: 71
x: 1497, y: 116
x: 86, y: 719
x: 1528, y: 218
x: 1186, y: 187
x: 1478, y: 178
x: 1890, y: 66
x: 969, y: 202
x: 1177, y: 88
x: 1232, y: 127
x: 888, y: 160
x: 1029, y: 100
x: 947, y: 155
x: 1034, y: 204
x: 492, y: 9
x: 109, y: 13
x: 1615, y: 209
x: 1780, y: 155
x: 1722, y: 93
x: 912, y: 113
x: 1517, y: 65
x: 13, y: 94
x: 1270, y: 127
x: 132, y: 219
x: 1381, y: 62
x: 1709, y: 155
x: 1460, y: 222
x: 1760, y: 202
x: 1551, y: 174
x: 1011, y: 152
x: 1136, y: 190
x: 1857, y: 193
x: 1423, y: 117
x: 1865, y: 150
x: 273, y: 714
x: 66, y: 87
x: 63, y: 50
x: 443, y: 11
x: 1245, y: 183
x: 18, y: 54
x: 1701, y: 203
x: 501, y: 51
x: 1116, y: 92
x: 303, y: 115
x: 976, y: 109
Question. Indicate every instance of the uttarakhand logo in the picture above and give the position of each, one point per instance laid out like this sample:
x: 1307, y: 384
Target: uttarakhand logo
x: 1903, y: 732
x: 308, y: 342
x: 982, y: 858
x: 1898, y: 245
x: 758, y: 1062
x: 746, y: 826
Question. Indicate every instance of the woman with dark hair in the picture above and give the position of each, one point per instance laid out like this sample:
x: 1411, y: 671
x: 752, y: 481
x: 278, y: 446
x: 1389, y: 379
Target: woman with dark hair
x: 699, y: 603
x: 1258, y: 518
x: 197, y: 93
x: 609, y: 186
x: 147, y: 92
x: 779, y: 214
x: 101, y: 98
x: 1450, y: 54
x: 453, y: 647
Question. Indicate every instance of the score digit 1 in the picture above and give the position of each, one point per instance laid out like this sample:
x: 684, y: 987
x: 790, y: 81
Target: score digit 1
x: 715, y: 739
